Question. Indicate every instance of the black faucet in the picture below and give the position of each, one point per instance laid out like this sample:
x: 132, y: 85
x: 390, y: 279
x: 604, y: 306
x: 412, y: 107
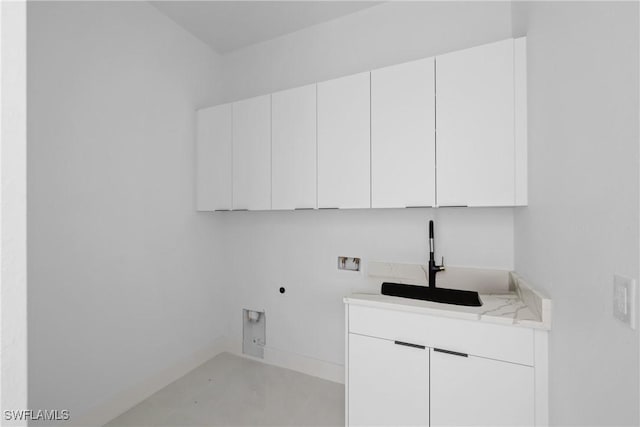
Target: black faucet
x: 433, y: 268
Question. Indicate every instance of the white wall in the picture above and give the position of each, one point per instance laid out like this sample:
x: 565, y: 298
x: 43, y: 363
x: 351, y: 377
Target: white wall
x: 299, y: 250
x: 122, y: 270
x: 13, y: 208
x: 381, y: 35
x: 581, y: 225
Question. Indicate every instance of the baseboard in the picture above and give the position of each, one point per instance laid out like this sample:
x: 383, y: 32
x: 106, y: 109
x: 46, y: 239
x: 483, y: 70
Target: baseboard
x: 129, y: 398
x: 296, y: 362
x: 307, y: 365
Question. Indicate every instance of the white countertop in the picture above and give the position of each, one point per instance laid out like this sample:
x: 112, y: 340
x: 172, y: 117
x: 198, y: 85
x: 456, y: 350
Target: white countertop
x: 518, y: 305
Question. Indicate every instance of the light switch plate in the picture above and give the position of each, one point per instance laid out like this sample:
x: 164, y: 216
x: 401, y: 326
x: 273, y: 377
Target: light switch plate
x: 624, y: 300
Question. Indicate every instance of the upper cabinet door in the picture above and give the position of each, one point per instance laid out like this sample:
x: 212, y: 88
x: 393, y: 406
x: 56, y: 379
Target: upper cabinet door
x: 293, y: 145
x: 213, y: 153
x: 475, y: 126
x: 344, y: 142
x: 403, y: 135
x: 252, y: 153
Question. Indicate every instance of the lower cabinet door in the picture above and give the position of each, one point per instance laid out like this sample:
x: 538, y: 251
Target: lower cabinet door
x: 474, y: 391
x: 388, y: 383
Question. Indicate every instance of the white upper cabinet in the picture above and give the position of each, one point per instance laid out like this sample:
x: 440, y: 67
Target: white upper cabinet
x: 252, y: 153
x: 475, y: 126
x: 293, y: 148
x: 403, y: 135
x: 443, y: 131
x: 213, y: 153
x: 344, y: 142
x: 520, y: 105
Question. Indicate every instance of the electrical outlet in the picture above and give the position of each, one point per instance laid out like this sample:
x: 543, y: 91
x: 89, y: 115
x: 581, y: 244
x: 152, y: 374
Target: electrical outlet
x: 348, y: 263
x: 624, y: 300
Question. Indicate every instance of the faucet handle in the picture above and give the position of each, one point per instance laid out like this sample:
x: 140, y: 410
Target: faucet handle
x: 442, y: 263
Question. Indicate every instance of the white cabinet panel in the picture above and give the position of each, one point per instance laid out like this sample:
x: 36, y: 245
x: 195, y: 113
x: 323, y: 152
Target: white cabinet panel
x: 502, y: 342
x: 403, y: 135
x: 213, y: 154
x: 481, y: 392
x: 388, y: 383
x: 293, y: 144
x: 475, y: 126
x: 344, y: 142
x: 252, y: 153
x: 520, y: 104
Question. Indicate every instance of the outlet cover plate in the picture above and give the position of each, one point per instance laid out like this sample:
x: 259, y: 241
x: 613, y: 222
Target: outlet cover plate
x: 624, y: 300
x: 348, y: 263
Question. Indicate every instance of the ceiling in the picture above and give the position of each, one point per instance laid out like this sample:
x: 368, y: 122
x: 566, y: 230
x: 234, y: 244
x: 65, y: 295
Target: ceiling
x: 230, y: 25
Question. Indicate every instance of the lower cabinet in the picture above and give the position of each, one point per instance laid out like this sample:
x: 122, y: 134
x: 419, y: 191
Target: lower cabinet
x: 469, y: 390
x: 430, y: 375
x: 388, y: 382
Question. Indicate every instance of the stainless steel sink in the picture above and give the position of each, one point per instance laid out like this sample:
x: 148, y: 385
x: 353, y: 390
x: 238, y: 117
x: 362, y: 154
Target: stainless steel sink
x: 427, y: 293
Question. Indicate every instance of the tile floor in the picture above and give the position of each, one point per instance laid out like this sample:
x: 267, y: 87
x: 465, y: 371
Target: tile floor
x: 230, y: 390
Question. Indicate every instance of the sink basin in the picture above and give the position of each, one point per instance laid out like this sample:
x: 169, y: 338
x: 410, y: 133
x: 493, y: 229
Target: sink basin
x: 442, y: 295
